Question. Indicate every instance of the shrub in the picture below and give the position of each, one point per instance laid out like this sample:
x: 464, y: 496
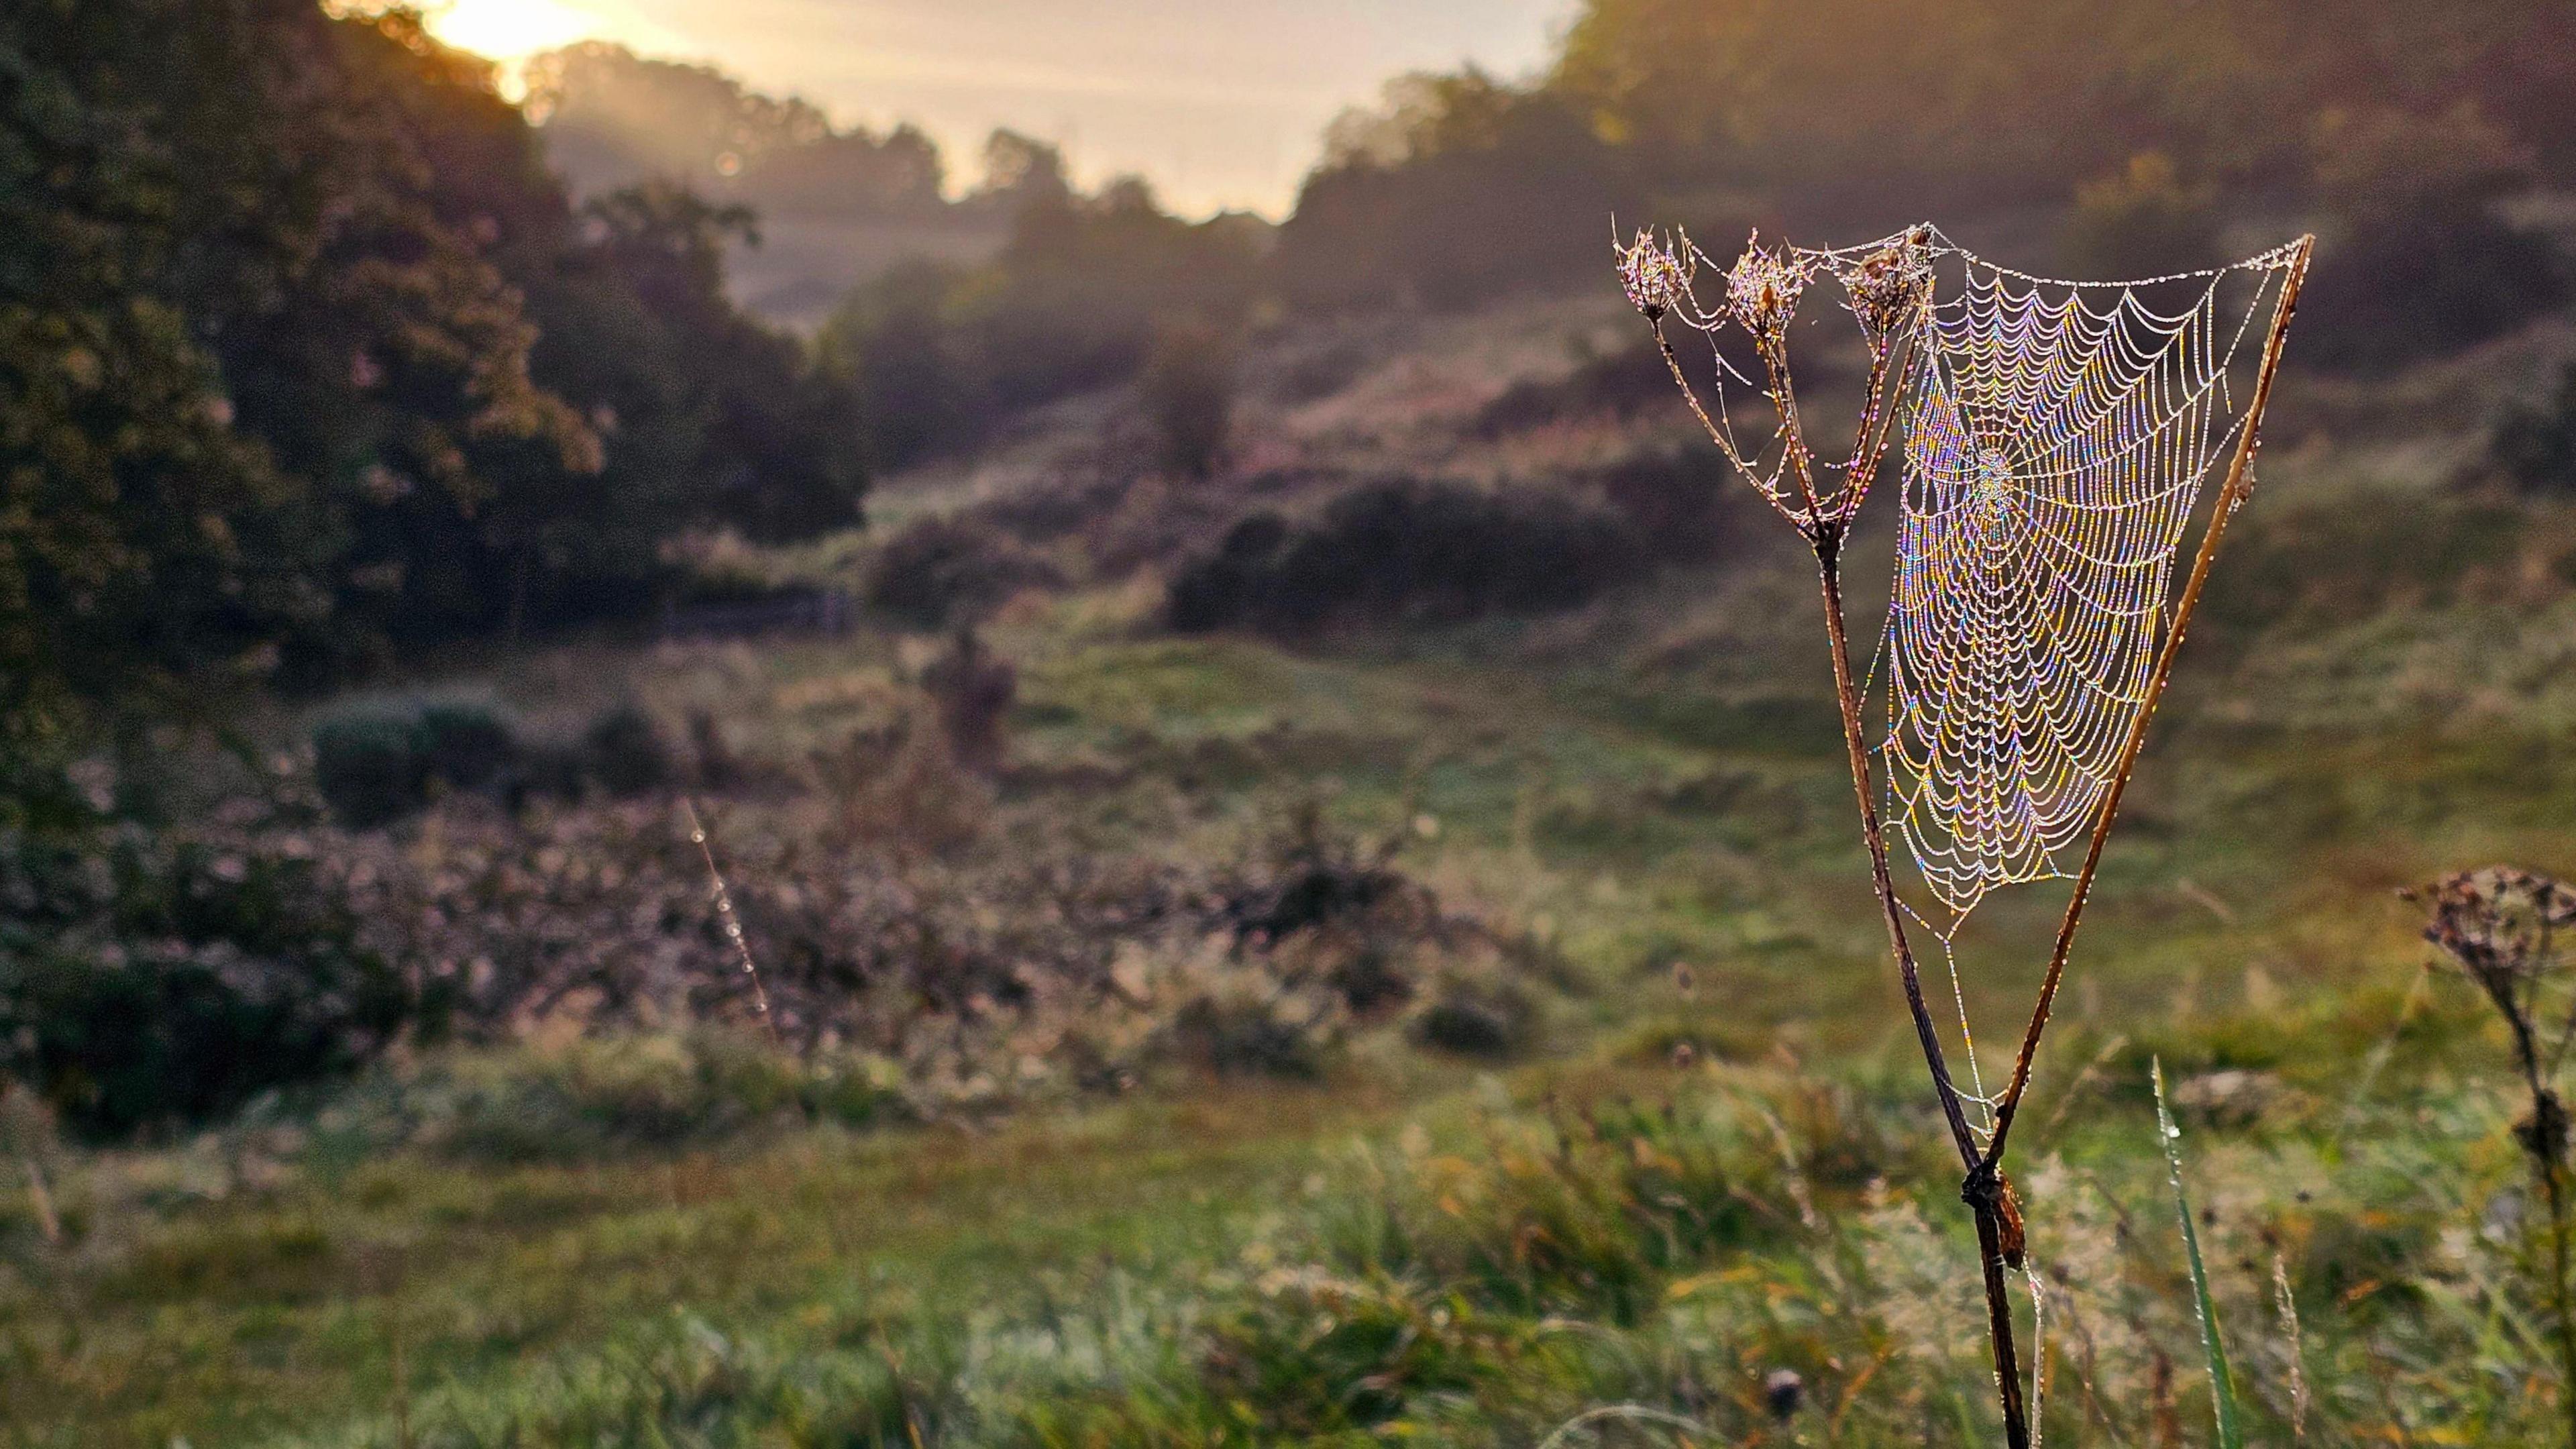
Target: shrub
x: 609, y: 1095
x: 1246, y: 1025
x: 464, y: 745
x: 368, y: 765
x: 2428, y: 263
x: 1674, y: 501
x: 1188, y: 395
x: 1493, y: 1019
x: 1436, y: 551
x: 1216, y: 591
x: 164, y: 980
x: 941, y: 572
x: 2535, y: 445
x: 1620, y: 384
x: 376, y: 764
x: 625, y: 753
x: 973, y: 693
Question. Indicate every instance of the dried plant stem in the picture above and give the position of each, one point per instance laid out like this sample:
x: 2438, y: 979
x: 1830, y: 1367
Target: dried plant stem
x: 1979, y: 1194
x: 50, y: 1223
x: 2222, y: 512
x: 2544, y: 1141
x: 732, y: 921
x: 1892, y: 296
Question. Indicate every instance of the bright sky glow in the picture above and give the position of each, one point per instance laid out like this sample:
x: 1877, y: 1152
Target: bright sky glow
x: 510, y: 31
x: 1218, y: 102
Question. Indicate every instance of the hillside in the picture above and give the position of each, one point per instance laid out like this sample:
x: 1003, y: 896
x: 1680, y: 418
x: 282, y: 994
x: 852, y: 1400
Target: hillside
x: 1642, y: 1125
x: 1016, y: 819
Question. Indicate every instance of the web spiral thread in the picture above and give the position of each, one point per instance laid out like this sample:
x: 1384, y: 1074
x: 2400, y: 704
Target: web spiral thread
x: 2061, y: 435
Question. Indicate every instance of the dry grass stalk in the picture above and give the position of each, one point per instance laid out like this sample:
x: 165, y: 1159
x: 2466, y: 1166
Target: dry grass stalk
x: 2499, y: 927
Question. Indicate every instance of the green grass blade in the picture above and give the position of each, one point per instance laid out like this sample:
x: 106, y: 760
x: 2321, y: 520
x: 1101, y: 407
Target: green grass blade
x: 2222, y: 1383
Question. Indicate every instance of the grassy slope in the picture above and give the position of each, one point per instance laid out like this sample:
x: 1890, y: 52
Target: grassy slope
x: 1643, y: 782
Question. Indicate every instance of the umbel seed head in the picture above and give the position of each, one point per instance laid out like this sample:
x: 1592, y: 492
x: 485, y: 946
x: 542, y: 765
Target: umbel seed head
x: 1888, y: 285
x: 1657, y: 274
x: 1762, y: 289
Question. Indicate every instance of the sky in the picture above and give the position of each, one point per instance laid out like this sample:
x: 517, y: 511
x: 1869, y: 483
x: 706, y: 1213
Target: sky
x: 1220, y: 103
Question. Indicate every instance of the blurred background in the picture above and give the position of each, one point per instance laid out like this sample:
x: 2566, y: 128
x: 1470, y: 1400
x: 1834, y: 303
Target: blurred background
x: 851, y: 721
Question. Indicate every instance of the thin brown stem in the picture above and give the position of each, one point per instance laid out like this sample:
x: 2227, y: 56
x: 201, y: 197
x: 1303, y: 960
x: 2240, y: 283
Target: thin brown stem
x: 1990, y: 1248
x: 2544, y: 1140
x: 1801, y: 460
x: 1725, y: 444
x: 2554, y: 1189
x: 48, y: 1222
x: 731, y: 919
x: 2222, y: 511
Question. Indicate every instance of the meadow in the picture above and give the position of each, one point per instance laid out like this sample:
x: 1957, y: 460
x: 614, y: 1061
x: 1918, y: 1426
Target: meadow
x: 1434, y: 1026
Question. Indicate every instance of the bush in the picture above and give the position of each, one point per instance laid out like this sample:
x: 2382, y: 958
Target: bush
x: 973, y: 693
x: 624, y: 752
x: 942, y: 572
x: 376, y: 764
x: 164, y: 980
x: 1188, y: 395
x: 368, y: 765
x: 465, y: 746
x: 1248, y: 1026
x: 1436, y: 551
x: 2427, y: 263
x: 605, y: 1096
x: 1488, y: 1019
x: 1621, y: 384
x: 2536, y: 445
x: 1675, y: 500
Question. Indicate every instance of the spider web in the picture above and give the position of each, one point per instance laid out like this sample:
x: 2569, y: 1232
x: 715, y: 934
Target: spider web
x: 2060, y: 437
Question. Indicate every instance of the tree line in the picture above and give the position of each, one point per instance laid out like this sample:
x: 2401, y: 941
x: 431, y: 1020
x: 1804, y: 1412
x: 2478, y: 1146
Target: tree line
x: 307, y: 358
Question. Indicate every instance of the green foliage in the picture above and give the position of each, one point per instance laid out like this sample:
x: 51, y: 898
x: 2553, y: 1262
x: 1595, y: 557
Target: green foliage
x: 1491, y: 1019
x: 466, y: 744
x: 1842, y: 120
x: 376, y: 763
x: 304, y: 356
x: 948, y: 571
x: 1438, y: 551
x: 614, y: 1095
x: 162, y: 979
x: 1386, y: 216
x: 2222, y: 1379
x: 367, y: 764
x: 626, y: 752
x: 936, y: 355
x: 1188, y: 392
x: 2535, y: 444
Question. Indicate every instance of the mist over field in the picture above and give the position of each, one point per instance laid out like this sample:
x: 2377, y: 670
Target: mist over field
x: 710, y: 735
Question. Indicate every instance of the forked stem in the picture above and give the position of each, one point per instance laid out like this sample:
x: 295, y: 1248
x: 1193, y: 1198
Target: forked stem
x: 1980, y: 1190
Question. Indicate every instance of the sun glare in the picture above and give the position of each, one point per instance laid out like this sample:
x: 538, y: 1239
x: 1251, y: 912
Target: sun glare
x: 510, y: 31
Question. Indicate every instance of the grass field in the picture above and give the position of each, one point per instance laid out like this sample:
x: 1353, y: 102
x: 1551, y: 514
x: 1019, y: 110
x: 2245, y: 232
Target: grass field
x: 1684, y: 1181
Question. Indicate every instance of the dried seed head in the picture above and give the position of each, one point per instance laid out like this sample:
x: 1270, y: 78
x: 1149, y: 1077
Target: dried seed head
x: 1886, y: 288
x: 2495, y: 924
x: 1657, y: 274
x: 1762, y: 289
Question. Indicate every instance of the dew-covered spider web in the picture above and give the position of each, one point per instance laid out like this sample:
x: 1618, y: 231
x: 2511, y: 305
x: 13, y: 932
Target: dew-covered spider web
x: 2059, y: 437
x: 2057, y: 440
